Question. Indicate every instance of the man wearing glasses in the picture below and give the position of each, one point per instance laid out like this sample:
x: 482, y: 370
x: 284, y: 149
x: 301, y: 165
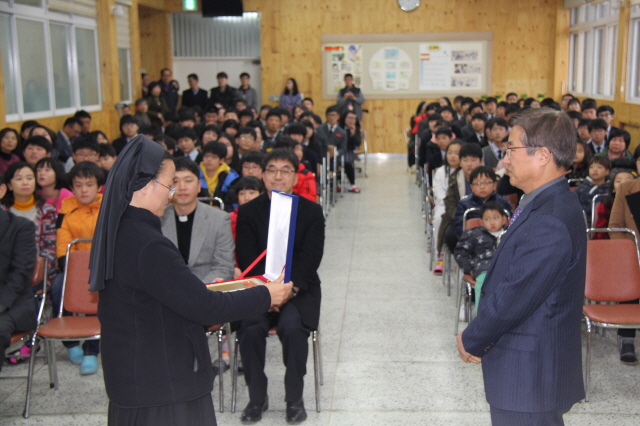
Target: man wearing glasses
x: 300, y: 314
x: 527, y: 332
x: 606, y: 113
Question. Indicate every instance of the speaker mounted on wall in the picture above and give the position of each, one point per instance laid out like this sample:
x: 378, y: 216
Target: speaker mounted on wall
x: 214, y: 8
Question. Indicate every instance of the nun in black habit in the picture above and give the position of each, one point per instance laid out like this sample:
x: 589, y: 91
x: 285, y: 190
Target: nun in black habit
x: 152, y: 309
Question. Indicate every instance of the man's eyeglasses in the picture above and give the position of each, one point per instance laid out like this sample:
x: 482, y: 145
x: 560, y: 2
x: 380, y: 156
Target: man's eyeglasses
x: 285, y: 173
x: 172, y: 190
x: 246, y: 138
x: 507, y: 149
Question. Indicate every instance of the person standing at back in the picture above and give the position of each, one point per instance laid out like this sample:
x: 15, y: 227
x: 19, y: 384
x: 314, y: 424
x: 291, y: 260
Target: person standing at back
x: 527, y: 334
x: 350, y: 97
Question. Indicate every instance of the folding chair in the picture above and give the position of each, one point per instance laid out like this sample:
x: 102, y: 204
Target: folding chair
x: 596, y: 200
x: 317, y: 368
x: 574, y: 183
x: 363, y: 151
x: 324, y: 194
x: 210, y: 200
x: 466, y: 282
x: 21, y: 338
x: 218, y: 331
x: 419, y: 170
x: 613, y: 276
x: 76, y: 299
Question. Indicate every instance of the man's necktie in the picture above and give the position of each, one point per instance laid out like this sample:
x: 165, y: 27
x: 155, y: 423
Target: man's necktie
x: 499, y: 154
x: 515, y: 215
x: 597, y: 149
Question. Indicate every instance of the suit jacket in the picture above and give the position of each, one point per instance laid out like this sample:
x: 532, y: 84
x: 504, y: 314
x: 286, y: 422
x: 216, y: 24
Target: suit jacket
x: 338, y: 138
x: 211, y: 254
x: 489, y: 157
x: 474, y: 139
x: 308, y: 247
x: 592, y: 148
x: 17, y: 260
x: 528, y: 327
x: 62, y: 149
x: 190, y: 99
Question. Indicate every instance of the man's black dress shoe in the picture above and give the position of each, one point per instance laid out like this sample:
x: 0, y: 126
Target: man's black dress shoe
x: 253, y: 412
x: 296, y: 413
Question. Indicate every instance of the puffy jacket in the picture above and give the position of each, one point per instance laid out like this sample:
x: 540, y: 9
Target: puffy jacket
x: 76, y: 220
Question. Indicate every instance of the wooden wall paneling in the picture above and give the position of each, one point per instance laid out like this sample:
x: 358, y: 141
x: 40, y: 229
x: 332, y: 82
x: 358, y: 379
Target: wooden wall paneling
x: 523, y: 54
x: 561, y: 72
x: 136, y: 64
x: 109, y: 76
x: 155, y: 41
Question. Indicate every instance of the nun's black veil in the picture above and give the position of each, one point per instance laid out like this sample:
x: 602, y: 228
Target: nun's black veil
x: 138, y: 162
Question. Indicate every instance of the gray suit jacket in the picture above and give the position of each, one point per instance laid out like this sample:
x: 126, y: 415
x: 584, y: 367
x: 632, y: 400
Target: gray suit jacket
x: 211, y: 254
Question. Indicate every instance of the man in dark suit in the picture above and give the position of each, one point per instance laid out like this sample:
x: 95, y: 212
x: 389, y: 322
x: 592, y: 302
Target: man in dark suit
x: 332, y: 134
x: 301, y: 313
x: 527, y: 332
x: 17, y: 260
x: 194, y: 95
x: 607, y: 113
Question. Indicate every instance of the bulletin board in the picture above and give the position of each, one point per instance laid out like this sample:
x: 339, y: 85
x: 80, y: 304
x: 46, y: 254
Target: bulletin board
x: 405, y: 66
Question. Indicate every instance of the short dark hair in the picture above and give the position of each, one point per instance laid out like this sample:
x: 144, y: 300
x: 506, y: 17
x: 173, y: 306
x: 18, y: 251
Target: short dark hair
x: 245, y: 112
x: 479, y: 116
x: 348, y: 75
x: 212, y: 109
x: 584, y: 122
x: 296, y: 129
x: 273, y: 113
x: 245, y: 74
x: 58, y: 169
x: 169, y: 142
x: 72, y: 121
x: 282, y: 111
x: 598, y: 123
x: 284, y: 141
x: 308, y: 99
x: 82, y: 114
x: 281, y: 154
x: 86, y: 169
x: 40, y: 141
x: 107, y: 150
x: 254, y: 157
x: 152, y: 131
x: 512, y: 109
x: 444, y: 131
x: 332, y: 108
x: 498, y: 122
x: 215, y: 148
x: 492, y: 206
x: 28, y: 124
x: 490, y: 100
x: 128, y: 119
x: 620, y: 133
x: 605, y: 108
x: 141, y: 101
x: 193, y: 76
x: 544, y: 127
x: 574, y: 115
x: 211, y: 128
x: 222, y: 75
x: 83, y: 142
x: 186, y: 163
x: 186, y: 132
x: 231, y: 123
x: 603, y: 160
x: 186, y: 116
x: 470, y: 150
x: 589, y: 104
x: 249, y: 183
x: 511, y: 94
x: 246, y: 130
x: 483, y: 171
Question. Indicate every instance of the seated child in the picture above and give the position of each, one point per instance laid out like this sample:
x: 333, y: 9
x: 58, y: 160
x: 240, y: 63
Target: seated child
x: 476, y: 246
x: 484, y: 183
x: 77, y: 219
x: 618, y: 176
x: 84, y: 149
x: 595, y: 183
x: 216, y: 175
x: 250, y: 165
x: 108, y: 156
x: 440, y: 185
x: 247, y: 188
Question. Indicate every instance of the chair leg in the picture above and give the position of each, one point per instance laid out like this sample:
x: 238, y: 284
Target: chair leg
x: 53, y: 368
x: 588, y: 363
x: 32, y: 360
x: 469, y: 296
x: 316, y: 367
x: 458, y: 304
x: 220, y: 371
x: 449, y: 269
x: 234, y: 380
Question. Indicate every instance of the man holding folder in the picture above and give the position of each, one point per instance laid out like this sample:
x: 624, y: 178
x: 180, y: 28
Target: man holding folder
x: 301, y: 313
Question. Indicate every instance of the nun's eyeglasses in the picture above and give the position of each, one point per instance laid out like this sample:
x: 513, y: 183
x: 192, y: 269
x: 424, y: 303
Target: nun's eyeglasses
x: 172, y: 190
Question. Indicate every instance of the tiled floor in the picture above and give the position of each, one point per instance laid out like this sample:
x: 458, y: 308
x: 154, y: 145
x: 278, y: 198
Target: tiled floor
x: 388, y: 348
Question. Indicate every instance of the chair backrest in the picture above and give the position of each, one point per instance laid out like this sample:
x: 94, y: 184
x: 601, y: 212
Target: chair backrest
x: 513, y: 200
x: 76, y: 297
x: 465, y: 218
x: 38, y: 271
x: 613, y: 273
x: 475, y: 222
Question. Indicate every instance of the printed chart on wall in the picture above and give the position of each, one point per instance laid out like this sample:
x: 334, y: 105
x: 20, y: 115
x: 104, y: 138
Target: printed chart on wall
x: 390, y: 69
x: 444, y: 68
x: 408, y: 65
x: 345, y: 59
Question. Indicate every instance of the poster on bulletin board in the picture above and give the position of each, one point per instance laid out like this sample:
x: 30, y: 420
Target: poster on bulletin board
x: 387, y: 66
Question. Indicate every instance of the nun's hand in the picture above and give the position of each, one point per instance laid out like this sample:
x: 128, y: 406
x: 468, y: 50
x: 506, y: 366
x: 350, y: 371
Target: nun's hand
x: 279, y: 291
